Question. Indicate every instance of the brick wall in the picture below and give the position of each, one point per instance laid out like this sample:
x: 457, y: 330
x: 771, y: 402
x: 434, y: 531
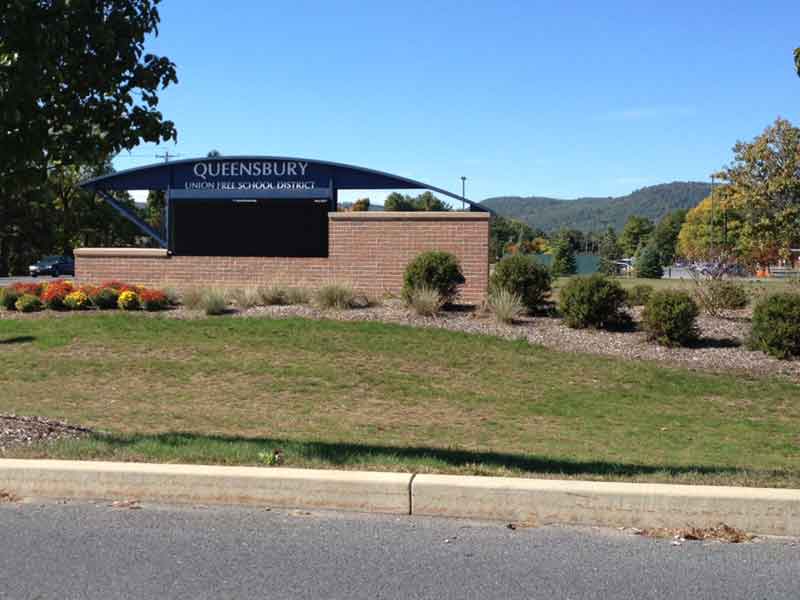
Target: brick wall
x: 368, y: 250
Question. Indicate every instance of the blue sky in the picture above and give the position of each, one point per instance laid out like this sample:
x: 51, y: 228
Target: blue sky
x: 559, y: 99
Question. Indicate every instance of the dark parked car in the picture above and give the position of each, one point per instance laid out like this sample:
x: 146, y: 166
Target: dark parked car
x: 54, y: 266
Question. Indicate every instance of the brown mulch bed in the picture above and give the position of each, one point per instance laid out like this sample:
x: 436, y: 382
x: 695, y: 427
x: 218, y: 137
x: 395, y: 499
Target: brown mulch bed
x: 18, y: 431
x: 722, y: 347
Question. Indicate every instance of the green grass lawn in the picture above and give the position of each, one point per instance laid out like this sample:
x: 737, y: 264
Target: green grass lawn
x: 376, y: 396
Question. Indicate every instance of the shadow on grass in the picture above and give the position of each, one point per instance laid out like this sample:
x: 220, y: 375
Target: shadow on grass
x: 341, y: 454
x: 20, y: 339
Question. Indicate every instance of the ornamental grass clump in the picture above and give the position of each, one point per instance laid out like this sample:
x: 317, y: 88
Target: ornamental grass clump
x: 54, y: 294
x: 669, y: 318
x: 153, y: 300
x: 594, y: 301
x: 524, y: 277
x: 214, y: 302
x: 128, y: 300
x: 8, y: 298
x: 298, y: 296
x: 438, y: 270
x: 244, y: 298
x: 273, y: 295
x: 77, y: 300
x: 335, y: 295
x: 776, y: 326
x: 426, y: 301
x: 506, y: 306
x: 192, y: 298
x: 28, y: 303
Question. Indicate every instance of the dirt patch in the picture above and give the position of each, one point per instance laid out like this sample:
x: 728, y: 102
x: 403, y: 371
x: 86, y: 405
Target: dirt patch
x: 8, y: 497
x: 719, y: 533
x: 16, y: 431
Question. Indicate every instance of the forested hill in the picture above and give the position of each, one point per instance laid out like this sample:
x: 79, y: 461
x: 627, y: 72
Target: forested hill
x: 594, y: 214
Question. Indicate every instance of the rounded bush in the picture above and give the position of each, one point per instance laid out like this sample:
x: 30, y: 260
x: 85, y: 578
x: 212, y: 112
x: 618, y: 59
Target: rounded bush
x: 104, y: 298
x: 438, y: 270
x: 728, y: 295
x: 55, y: 293
x: 77, y: 300
x: 8, y: 298
x: 669, y: 318
x: 593, y: 301
x: 776, y: 326
x: 128, y: 300
x: 28, y: 303
x: 638, y: 295
x: 153, y: 300
x: 524, y: 276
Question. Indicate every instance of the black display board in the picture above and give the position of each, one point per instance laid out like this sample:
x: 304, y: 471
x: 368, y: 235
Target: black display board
x: 267, y: 227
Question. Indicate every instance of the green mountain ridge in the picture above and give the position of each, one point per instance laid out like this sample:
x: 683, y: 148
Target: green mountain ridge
x: 595, y: 214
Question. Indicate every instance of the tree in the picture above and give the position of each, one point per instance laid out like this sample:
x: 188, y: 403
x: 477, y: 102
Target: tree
x: 361, y: 205
x: 504, y: 232
x: 635, y: 233
x: 75, y: 89
x: 154, y: 210
x: 711, y: 227
x: 665, y: 235
x: 425, y: 202
x: 797, y: 60
x: 214, y: 154
x: 610, y: 252
x: 563, y: 257
x: 648, y: 262
x: 763, y: 185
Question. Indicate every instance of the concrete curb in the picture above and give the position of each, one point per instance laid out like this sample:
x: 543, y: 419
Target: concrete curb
x: 536, y: 501
x: 296, y: 488
x: 540, y: 501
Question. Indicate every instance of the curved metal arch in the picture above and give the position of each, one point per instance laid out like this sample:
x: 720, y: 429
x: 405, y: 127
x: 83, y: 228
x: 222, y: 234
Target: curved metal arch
x: 393, y: 181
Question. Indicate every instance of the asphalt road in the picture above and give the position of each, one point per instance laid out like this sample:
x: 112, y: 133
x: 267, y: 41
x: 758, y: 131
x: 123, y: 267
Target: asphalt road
x: 85, y: 550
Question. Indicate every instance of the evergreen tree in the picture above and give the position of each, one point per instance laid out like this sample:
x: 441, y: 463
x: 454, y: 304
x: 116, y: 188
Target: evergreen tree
x: 564, y: 262
x: 648, y: 262
x: 610, y: 252
x: 636, y: 233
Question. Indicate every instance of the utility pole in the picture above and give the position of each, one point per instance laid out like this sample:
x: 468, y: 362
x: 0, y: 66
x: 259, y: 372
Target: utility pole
x: 463, y: 192
x: 166, y: 156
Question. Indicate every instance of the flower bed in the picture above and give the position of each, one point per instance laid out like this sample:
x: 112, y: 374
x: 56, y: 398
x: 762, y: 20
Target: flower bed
x: 64, y: 295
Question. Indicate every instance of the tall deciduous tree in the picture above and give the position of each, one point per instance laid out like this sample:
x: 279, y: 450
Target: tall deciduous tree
x: 712, y: 227
x: 797, y: 60
x: 763, y: 184
x: 76, y: 87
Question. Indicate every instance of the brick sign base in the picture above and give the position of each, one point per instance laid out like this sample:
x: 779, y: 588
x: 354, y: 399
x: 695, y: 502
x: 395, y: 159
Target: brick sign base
x: 367, y: 250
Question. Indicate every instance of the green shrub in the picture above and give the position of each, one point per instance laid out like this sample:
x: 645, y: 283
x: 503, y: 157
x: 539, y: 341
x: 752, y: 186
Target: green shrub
x: 638, y: 295
x: 335, y: 295
x: 192, y: 298
x: 273, y: 295
x: 298, y: 296
x: 524, y: 276
x: 214, y: 302
x: 715, y: 295
x: 28, y: 303
x: 776, y: 326
x: 505, y: 304
x: 104, y: 298
x: 438, y: 270
x: 593, y: 301
x: 8, y: 298
x: 669, y: 318
x: 425, y: 301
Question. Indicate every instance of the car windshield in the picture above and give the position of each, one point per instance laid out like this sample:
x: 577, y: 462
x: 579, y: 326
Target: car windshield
x: 51, y: 259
